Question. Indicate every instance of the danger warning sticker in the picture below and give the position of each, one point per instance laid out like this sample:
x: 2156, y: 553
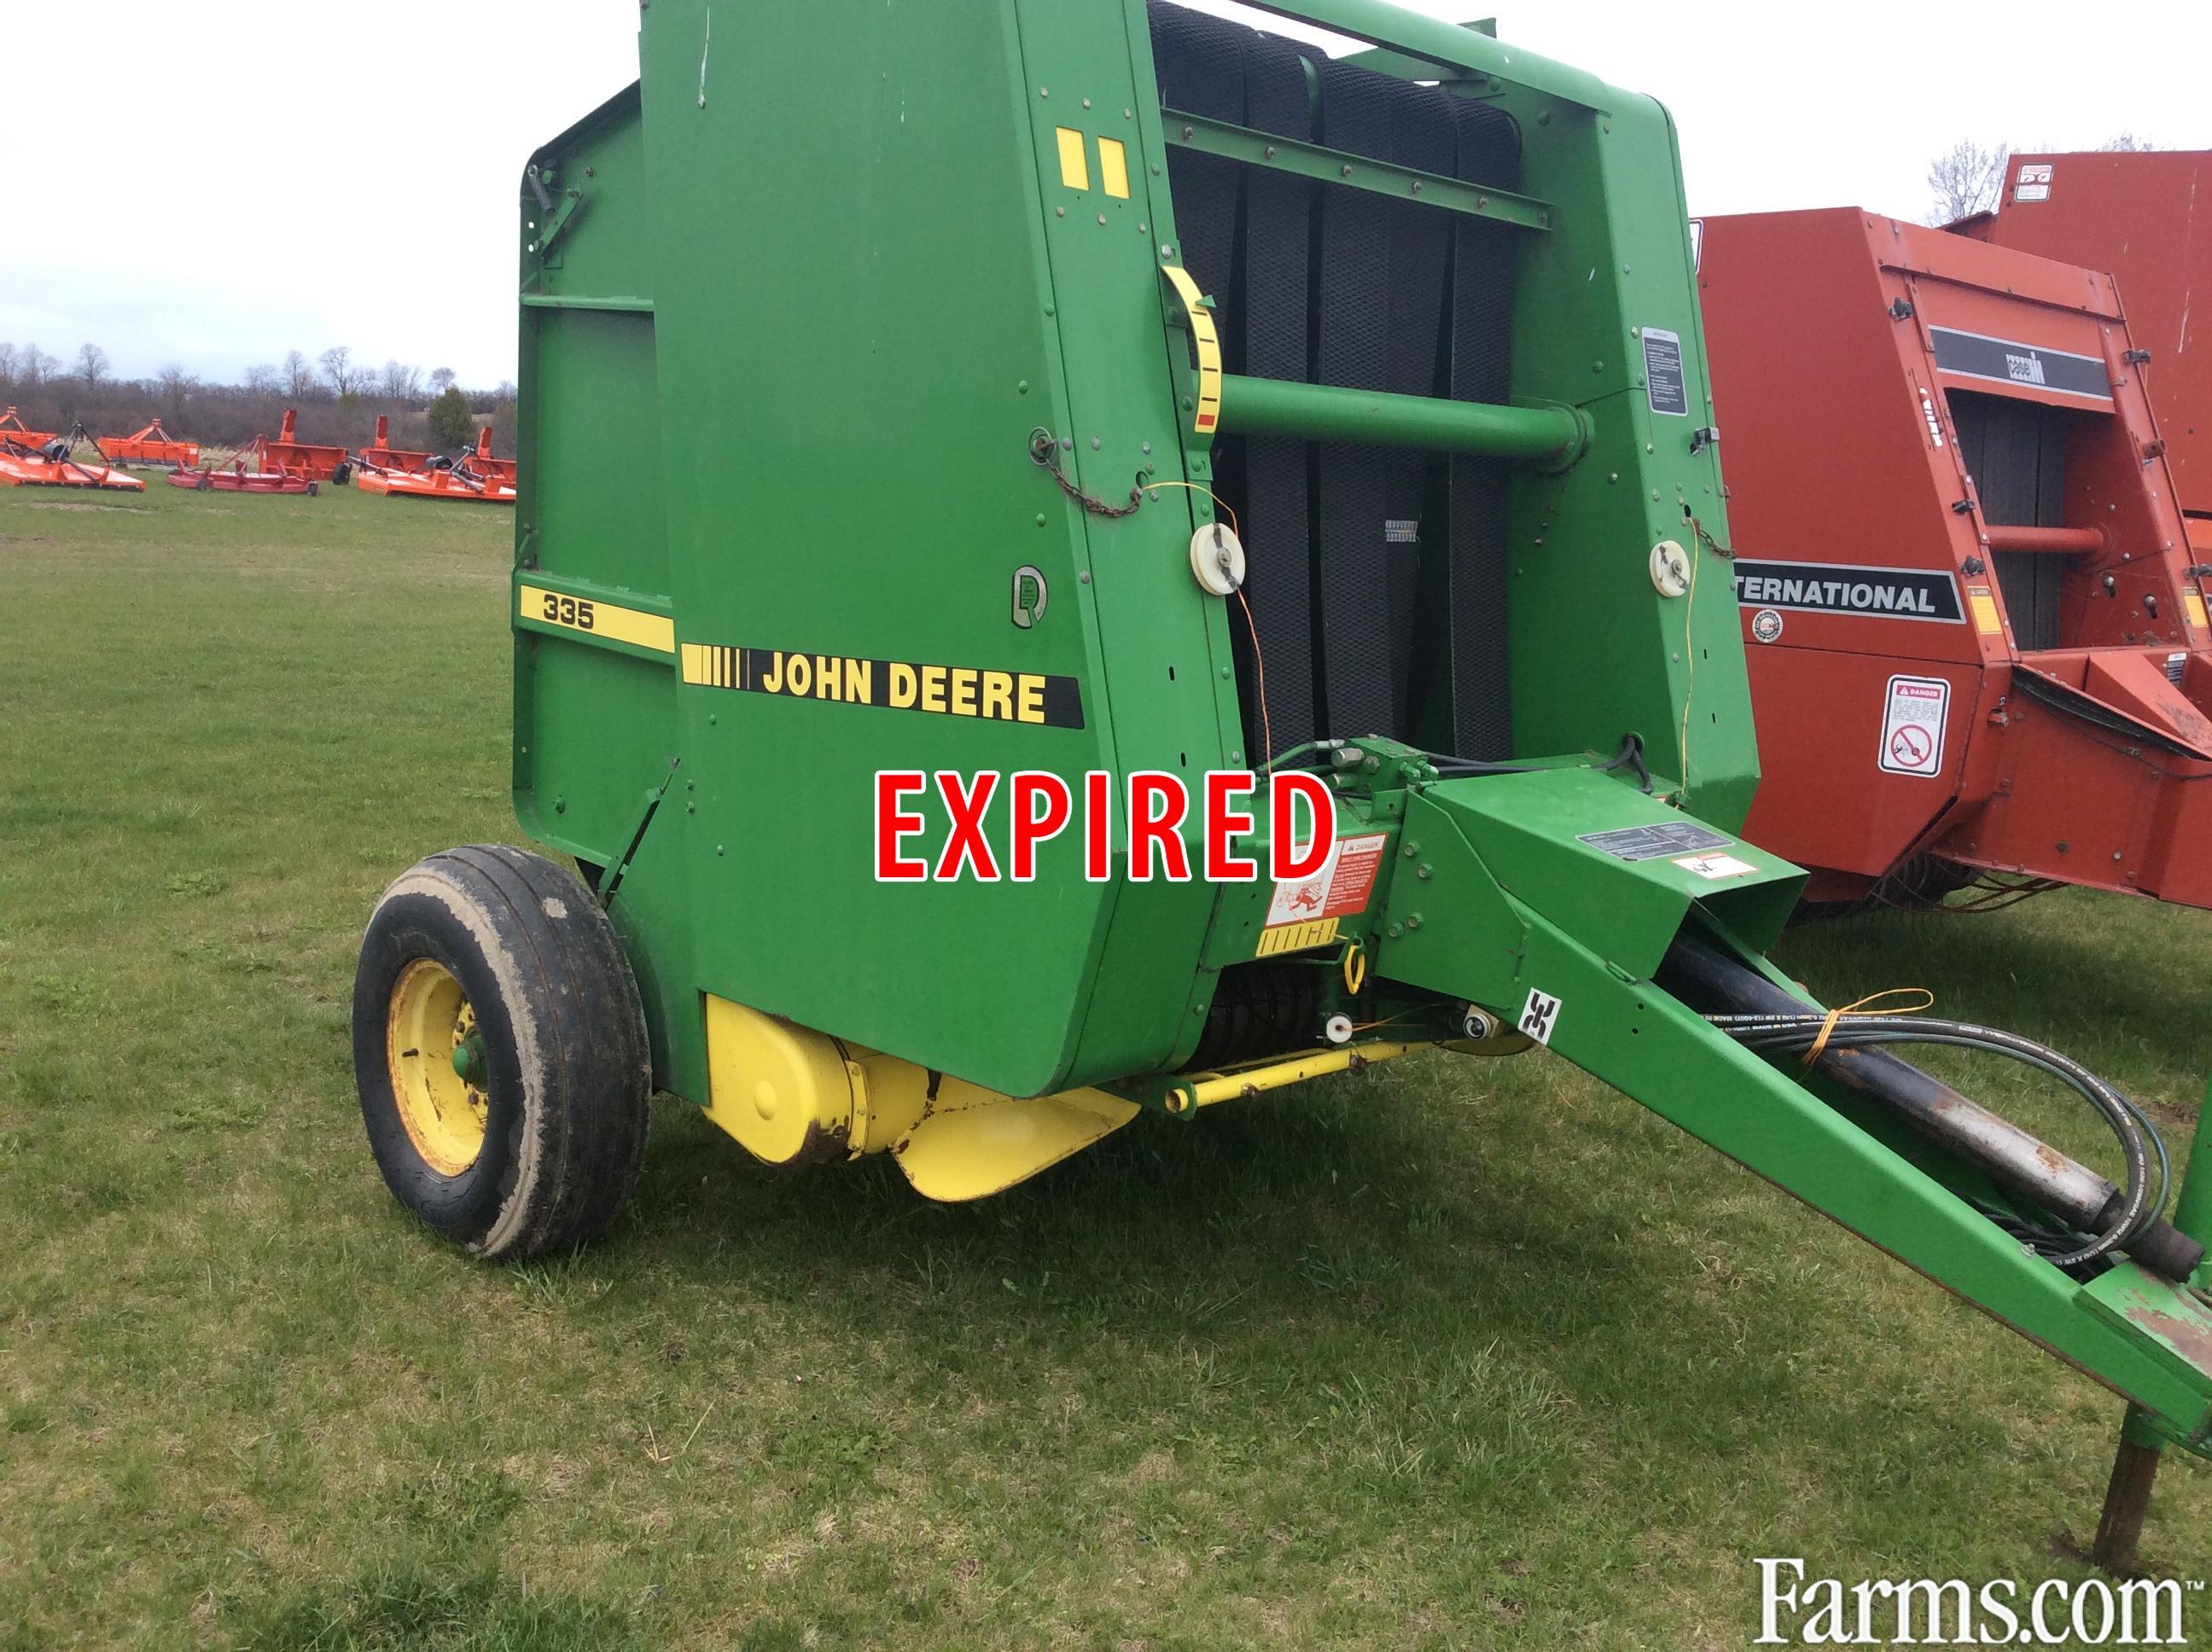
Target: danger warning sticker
x: 1912, y: 728
x: 1339, y: 890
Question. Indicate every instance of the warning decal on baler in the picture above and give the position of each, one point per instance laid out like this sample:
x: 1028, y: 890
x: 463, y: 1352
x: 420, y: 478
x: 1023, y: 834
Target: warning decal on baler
x: 1308, y: 912
x: 1911, y: 594
x: 1912, y: 729
x: 1662, y: 372
x: 2005, y: 361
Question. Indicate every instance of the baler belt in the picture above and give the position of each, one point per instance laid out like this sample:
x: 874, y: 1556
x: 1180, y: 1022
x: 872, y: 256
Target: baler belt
x: 1357, y: 674
x: 1340, y: 287
x: 1278, y: 344
x: 2016, y: 452
x: 1200, y: 65
x: 1421, y: 136
x: 1481, y: 371
x: 1214, y: 68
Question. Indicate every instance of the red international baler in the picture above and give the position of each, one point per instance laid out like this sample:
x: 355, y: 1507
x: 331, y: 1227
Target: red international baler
x: 1978, y: 651
x: 2145, y: 217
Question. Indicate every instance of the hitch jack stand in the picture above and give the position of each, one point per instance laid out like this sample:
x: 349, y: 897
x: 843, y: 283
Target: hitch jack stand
x: 2134, y: 1467
x: 2127, y: 1497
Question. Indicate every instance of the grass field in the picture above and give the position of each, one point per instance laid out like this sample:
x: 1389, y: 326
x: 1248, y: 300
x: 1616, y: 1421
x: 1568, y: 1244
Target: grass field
x: 1447, y: 1356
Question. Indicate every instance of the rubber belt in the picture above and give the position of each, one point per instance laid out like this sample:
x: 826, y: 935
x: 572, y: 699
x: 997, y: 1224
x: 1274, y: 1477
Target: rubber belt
x: 1481, y: 371
x: 1278, y: 473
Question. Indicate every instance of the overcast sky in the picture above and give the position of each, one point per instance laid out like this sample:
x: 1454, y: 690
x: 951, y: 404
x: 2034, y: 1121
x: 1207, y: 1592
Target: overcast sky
x: 215, y: 192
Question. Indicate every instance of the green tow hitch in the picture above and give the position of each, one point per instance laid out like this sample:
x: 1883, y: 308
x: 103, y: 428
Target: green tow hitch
x: 1531, y: 907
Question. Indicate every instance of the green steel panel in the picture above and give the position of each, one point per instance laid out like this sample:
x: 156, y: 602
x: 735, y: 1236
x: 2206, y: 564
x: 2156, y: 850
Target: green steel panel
x: 1617, y: 262
x: 846, y: 418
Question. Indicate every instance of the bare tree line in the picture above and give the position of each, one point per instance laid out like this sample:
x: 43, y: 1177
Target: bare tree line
x: 339, y: 397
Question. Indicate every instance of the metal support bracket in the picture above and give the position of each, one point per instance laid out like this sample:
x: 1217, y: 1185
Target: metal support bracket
x: 1328, y: 165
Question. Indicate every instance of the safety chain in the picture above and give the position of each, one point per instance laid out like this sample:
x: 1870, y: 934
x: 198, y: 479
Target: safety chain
x: 1705, y: 538
x: 1044, y: 449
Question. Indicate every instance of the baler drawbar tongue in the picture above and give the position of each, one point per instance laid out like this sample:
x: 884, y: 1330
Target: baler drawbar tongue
x: 1651, y: 987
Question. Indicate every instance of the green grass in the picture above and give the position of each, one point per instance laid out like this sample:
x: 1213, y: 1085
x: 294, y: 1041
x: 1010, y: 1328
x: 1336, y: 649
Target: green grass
x: 1449, y: 1355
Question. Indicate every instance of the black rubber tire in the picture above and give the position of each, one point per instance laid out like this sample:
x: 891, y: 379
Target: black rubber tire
x: 342, y: 474
x: 203, y: 486
x: 314, y: 491
x: 569, y: 1070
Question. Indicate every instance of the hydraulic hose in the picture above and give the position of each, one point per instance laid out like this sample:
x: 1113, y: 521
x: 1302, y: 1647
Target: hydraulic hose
x: 2096, y: 1218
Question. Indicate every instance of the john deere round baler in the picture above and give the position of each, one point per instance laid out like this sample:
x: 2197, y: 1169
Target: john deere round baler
x: 955, y: 336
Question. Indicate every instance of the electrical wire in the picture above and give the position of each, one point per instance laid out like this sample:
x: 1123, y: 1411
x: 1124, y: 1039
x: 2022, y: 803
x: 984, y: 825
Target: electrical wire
x: 1689, y: 660
x: 1150, y: 483
x: 2141, y: 1145
x: 1260, y: 679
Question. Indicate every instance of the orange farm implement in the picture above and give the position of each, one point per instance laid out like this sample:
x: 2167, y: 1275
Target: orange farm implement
x: 472, y: 477
x: 382, y: 455
x: 32, y: 459
x: 254, y: 469
x: 292, y: 457
x: 13, y: 431
x: 151, y: 446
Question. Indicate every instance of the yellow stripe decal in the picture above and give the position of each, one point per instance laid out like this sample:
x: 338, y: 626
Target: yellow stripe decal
x: 1114, y: 168
x: 1987, y: 620
x: 2194, y: 601
x: 711, y: 665
x: 1297, y: 938
x: 1207, y: 415
x: 599, y: 619
x: 1074, y: 164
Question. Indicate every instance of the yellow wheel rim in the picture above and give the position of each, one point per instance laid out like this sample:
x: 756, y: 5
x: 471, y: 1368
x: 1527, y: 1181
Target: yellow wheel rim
x: 436, y: 1057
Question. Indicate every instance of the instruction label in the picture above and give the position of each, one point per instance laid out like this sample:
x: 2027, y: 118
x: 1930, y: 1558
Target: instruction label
x: 1659, y: 842
x: 1912, y: 729
x: 1662, y: 372
x: 2034, y: 184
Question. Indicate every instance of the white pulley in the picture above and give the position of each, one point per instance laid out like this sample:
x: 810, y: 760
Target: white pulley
x: 1217, y: 560
x: 1670, y: 568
